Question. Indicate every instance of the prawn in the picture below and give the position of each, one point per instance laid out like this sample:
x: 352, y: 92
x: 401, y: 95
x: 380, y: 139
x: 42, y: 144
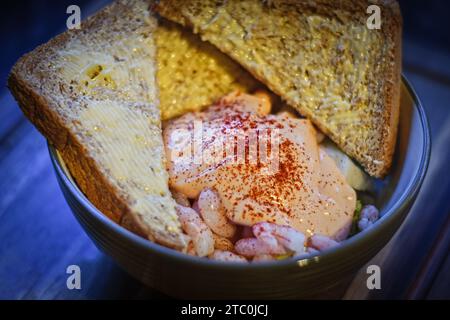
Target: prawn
x: 201, y: 235
x: 226, y: 256
x: 221, y: 243
x: 271, y: 239
x: 321, y: 243
x: 211, y: 210
x: 288, y: 237
x: 369, y: 215
x: 265, y: 105
x: 251, y: 247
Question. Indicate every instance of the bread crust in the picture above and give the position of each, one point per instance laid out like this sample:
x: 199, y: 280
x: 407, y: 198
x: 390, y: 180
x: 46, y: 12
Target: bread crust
x: 391, y: 89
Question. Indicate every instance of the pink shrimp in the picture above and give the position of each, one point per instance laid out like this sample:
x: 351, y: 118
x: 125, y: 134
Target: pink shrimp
x: 201, y: 235
x: 211, y: 210
x: 288, y: 237
x: 265, y: 102
x: 369, y: 215
x: 251, y: 247
x: 221, y: 243
x: 321, y: 243
x: 226, y: 256
x: 271, y: 239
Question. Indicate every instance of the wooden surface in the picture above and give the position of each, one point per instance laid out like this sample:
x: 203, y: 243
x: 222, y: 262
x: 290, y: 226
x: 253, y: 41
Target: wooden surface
x: 39, y: 237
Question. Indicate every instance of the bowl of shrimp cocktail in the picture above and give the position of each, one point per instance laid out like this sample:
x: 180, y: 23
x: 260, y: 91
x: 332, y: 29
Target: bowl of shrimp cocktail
x: 268, y: 205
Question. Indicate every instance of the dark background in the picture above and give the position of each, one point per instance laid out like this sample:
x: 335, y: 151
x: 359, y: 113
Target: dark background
x: 39, y: 237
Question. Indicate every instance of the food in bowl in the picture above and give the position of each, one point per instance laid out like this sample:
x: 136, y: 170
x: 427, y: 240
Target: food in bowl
x: 261, y: 185
x: 95, y: 95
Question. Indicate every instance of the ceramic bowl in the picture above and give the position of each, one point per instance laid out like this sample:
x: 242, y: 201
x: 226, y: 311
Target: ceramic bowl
x: 183, y: 276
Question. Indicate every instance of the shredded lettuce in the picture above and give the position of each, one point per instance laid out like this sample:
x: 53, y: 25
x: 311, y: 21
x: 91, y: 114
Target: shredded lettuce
x: 354, y: 230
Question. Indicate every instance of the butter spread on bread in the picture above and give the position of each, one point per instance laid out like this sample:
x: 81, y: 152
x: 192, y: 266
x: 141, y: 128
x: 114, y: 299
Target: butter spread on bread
x: 193, y: 74
x: 92, y: 93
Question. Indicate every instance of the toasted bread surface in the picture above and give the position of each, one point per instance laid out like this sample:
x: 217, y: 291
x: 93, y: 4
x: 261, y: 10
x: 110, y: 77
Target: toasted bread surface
x: 93, y: 94
x: 320, y: 57
x: 193, y: 74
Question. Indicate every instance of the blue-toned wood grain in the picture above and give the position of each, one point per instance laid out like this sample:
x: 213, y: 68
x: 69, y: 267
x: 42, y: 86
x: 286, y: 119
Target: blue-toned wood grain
x: 40, y: 237
x: 441, y: 283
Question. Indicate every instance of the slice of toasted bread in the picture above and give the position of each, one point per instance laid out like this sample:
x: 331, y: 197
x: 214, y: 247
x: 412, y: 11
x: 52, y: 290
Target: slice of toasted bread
x: 92, y: 93
x: 320, y: 57
x: 193, y: 74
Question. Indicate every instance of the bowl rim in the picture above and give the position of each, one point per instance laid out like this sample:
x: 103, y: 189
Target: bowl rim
x: 348, y: 245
